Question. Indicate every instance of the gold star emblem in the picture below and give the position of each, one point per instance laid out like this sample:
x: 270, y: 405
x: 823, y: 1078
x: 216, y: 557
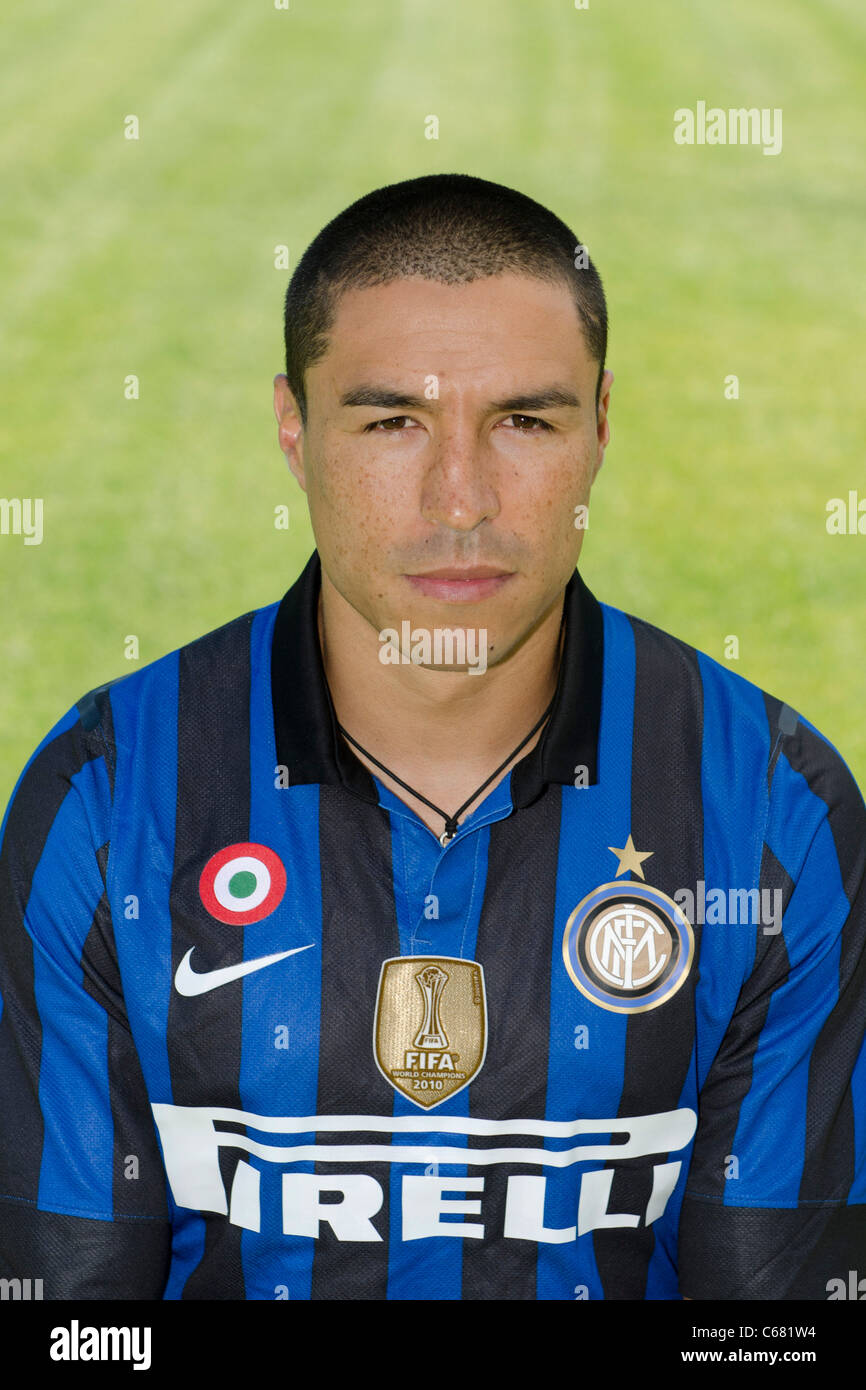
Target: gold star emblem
x: 630, y: 858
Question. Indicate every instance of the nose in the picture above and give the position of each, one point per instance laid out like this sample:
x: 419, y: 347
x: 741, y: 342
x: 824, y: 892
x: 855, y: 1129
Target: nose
x: 457, y: 489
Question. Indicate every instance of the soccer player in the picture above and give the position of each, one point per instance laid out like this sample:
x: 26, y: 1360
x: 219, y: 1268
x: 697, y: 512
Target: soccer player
x: 437, y: 931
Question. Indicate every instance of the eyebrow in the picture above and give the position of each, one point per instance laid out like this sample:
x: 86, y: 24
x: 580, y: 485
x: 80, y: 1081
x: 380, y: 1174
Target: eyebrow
x: 548, y: 398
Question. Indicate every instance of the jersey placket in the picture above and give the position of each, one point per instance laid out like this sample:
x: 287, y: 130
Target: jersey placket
x: 437, y: 887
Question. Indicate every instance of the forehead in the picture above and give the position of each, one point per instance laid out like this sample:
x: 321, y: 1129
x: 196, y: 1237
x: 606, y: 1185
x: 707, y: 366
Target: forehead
x: 490, y: 324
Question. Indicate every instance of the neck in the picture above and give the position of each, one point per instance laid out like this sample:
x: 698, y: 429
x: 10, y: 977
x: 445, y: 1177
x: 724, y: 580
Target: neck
x: 443, y: 732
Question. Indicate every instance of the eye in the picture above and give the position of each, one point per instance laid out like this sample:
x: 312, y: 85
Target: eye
x: 390, y: 426
x: 529, y: 424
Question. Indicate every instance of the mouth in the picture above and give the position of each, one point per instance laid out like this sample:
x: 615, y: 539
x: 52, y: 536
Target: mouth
x: 460, y: 585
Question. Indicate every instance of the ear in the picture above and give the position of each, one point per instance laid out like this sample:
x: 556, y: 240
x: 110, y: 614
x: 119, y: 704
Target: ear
x: 602, y: 422
x: 290, y: 432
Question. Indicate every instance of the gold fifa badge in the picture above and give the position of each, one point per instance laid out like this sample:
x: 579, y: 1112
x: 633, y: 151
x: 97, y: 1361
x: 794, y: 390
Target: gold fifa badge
x: 430, y: 1033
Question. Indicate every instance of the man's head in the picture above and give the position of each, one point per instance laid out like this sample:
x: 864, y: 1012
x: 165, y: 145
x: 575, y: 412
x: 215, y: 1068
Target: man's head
x: 445, y: 402
x: 451, y: 228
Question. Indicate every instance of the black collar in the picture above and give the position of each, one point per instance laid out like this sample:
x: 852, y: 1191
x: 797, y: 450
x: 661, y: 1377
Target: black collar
x: 310, y: 747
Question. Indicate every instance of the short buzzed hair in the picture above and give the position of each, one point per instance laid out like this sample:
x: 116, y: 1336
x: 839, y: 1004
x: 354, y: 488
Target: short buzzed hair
x: 452, y: 228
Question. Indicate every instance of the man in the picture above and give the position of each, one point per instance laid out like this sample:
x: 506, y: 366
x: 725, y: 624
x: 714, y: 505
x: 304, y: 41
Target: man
x: 438, y: 932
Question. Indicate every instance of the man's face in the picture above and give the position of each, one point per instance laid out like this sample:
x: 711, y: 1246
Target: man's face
x: 450, y: 428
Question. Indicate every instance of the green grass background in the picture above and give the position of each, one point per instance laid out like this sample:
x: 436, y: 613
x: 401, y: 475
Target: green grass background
x: 156, y: 257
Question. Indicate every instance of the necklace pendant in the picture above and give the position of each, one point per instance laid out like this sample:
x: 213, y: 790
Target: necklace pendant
x: 445, y: 837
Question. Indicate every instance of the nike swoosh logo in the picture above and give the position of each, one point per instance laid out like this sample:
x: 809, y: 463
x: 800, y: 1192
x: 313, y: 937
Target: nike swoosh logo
x: 189, y: 983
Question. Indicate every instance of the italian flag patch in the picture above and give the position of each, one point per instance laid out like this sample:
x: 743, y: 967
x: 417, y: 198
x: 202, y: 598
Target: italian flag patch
x: 242, y: 883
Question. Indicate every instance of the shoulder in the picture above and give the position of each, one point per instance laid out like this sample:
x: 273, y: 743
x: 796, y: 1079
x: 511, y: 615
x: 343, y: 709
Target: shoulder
x: 124, y: 707
x: 754, y: 733
x: 214, y: 657
x: 715, y: 691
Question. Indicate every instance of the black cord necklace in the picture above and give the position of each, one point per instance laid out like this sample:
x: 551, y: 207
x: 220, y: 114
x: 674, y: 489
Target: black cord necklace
x: 451, y: 821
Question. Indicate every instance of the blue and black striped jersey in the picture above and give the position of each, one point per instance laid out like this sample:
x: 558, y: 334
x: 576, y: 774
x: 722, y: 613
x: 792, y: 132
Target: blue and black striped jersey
x: 263, y: 1036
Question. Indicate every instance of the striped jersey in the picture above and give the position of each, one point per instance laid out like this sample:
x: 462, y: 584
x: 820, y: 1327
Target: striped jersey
x: 264, y: 1037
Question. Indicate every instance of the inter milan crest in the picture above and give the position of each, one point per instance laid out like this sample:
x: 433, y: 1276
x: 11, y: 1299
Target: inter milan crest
x: 628, y: 947
x: 430, y: 1033
x: 242, y: 883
